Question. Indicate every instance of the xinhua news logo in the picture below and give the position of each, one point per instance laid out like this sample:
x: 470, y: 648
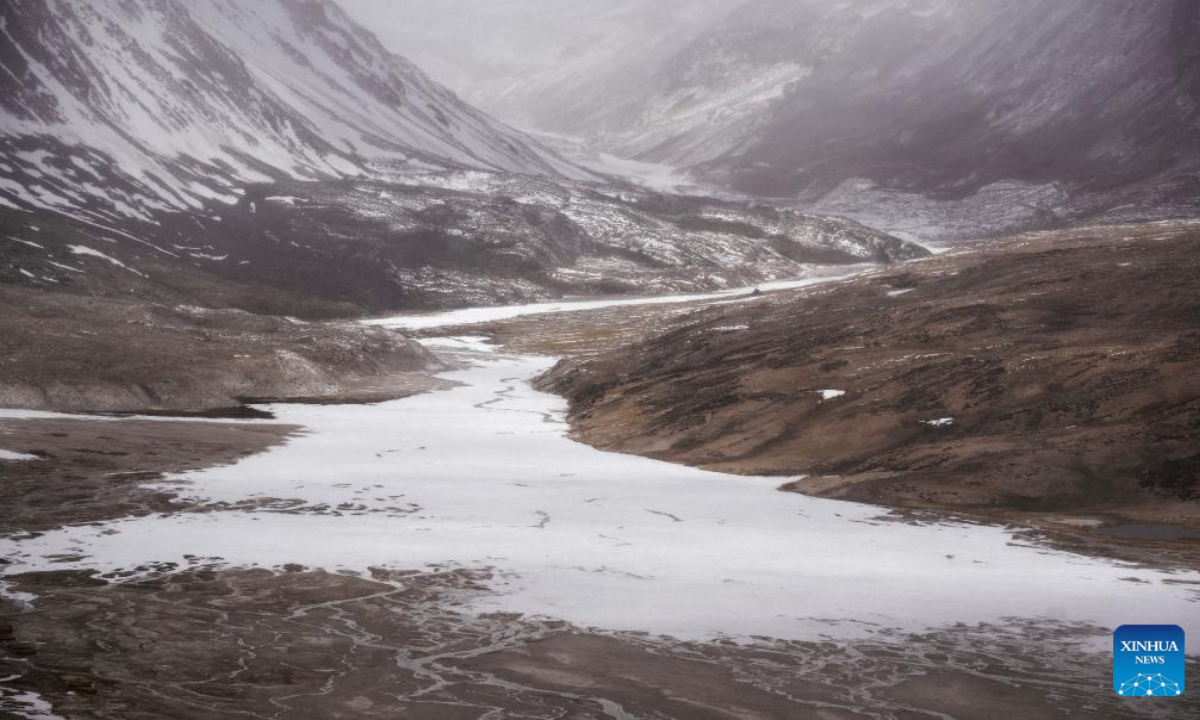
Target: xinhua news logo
x: 1148, y: 661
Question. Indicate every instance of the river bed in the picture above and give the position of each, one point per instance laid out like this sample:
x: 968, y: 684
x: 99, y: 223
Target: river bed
x: 483, y: 476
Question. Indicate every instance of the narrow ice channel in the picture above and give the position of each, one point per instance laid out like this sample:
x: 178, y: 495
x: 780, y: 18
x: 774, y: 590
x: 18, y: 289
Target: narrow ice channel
x: 817, y: 274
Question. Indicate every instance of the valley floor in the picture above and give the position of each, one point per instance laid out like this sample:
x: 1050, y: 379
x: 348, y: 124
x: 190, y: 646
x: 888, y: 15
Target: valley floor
x: 454, y: 555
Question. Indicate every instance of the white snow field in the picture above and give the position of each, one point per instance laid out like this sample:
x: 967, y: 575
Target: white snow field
x: 484, y: 476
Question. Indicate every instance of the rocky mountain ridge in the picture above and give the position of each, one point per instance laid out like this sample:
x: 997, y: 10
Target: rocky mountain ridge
x: 274, y: 157
x: 438, y: 240
x: 943, y: 120
x: 121, y: 108
x: 269, y: 164
x: 1079, y: 107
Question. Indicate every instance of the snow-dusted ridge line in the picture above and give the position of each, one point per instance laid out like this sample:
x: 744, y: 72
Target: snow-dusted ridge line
x: 141, y: 106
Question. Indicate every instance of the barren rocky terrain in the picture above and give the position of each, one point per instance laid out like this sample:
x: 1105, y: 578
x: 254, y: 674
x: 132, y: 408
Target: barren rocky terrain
x: 134, y: 356
x: 428, y: 241
x: 87, y: 469
x: 1048, y: 372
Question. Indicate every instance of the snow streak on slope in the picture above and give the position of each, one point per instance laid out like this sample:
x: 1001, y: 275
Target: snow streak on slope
x: 146, y: 104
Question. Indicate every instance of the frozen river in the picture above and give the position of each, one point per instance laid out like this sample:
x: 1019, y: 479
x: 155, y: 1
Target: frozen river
x: 483, y: 476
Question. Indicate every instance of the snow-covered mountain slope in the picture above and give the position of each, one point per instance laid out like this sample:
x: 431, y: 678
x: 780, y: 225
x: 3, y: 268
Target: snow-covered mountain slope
x: 941, y: 118
x: 273, y: 157
x: 129, y: 106
x: 551, y: 65
x: 433, y: 240
x: 795, y: 97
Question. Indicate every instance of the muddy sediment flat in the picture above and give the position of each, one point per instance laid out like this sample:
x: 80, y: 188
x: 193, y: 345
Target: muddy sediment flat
x: 87, y: 470
x: 206, y: 643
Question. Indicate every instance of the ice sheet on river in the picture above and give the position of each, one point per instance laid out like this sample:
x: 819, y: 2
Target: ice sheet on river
x: 483, y: 476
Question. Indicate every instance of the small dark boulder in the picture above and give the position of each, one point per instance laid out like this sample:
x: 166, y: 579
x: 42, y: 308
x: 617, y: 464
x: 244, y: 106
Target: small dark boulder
x: 22, y: 649
x: 80, y: 684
